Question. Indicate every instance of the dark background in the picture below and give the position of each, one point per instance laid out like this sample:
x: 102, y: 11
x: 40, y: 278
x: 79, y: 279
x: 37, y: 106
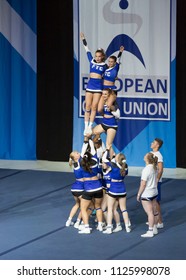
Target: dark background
x: 55, y: 80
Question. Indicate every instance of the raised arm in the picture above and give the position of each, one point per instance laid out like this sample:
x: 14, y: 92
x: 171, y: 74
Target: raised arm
x: 105, y: 157
x: 82, y: 36
x: 120, y: 54
x: 84, y: 147
x: 92, y: 148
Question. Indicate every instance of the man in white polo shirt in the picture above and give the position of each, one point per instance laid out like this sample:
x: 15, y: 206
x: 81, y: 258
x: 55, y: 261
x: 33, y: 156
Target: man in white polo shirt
x: 155, y: 146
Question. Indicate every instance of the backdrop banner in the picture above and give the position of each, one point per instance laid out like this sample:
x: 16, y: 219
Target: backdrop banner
x: 17, y: 79
x: 146, y: 79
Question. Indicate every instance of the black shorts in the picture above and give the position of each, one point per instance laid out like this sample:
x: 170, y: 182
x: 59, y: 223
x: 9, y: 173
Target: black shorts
x: 117, y: 195
x: 92, y: 91
x: 149, y: 198
x: 91, y: 195
x: 158, y: 198
x: 77, y: 194
x: 105, y: 127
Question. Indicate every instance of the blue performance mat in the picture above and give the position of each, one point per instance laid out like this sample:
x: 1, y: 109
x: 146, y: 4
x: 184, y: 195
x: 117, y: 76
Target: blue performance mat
x: 34, y: 206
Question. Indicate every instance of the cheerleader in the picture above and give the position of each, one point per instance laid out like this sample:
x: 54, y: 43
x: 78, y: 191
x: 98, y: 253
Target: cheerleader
x: 110, y: 76
x: 77, y: 188
x: 92, y: 187
x: 106, y: 177
x: 117, y: 190
x: 109, y: 123
x: 94, y: 86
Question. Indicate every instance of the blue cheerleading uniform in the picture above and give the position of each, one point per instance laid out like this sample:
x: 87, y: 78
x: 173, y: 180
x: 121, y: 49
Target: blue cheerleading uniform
x: 108, y: 122
x: 107, y: 179
x: 117, y: 184
x: 111, y: 74
x: 92, y: 185
x: 98, y: 68
x: 94, y: 168
x: 78, y: 186
x: 78, y: 171
x: 94, y: 84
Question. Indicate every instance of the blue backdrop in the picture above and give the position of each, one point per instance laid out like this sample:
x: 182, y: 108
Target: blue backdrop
x: 18, y: 79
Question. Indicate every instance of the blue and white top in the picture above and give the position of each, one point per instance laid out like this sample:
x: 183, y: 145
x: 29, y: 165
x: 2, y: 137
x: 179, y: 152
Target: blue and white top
x: 94, y: 84
x: 107, y: 178
x: 98, y: 68
x: 94, y: 168
x: 117, y: 185
x: 92, y: 185
x: 78, y: 186
x: 111, y: 73
x: 106, y: 111
x: 78, y: 170
x: 109, y: 122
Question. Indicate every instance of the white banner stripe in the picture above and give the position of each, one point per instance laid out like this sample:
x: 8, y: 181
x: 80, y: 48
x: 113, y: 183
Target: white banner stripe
x: 18, y: 33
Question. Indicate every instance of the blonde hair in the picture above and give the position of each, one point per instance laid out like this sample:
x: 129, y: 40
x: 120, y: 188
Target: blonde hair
x: 152, y: 159
x: 122, y: 163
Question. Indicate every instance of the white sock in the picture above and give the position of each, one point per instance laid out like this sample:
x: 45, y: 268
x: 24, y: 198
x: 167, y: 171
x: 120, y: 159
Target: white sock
x: 90, y: 124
